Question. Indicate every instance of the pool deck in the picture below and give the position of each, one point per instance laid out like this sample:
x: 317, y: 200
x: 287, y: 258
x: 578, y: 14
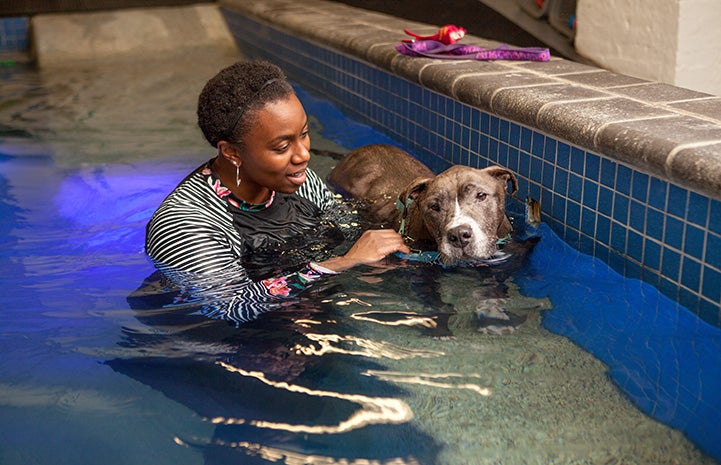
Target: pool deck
x: 660, y: 129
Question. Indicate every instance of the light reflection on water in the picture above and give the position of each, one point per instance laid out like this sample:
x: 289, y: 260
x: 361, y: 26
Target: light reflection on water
x: 377, y: 366
x: 373, y: 410
x: 324, y: 344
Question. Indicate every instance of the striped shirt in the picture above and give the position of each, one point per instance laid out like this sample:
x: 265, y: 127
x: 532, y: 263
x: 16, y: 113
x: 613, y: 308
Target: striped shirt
x: 192, y: 240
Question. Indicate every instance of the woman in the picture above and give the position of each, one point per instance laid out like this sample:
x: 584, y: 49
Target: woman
x: 257, y: 192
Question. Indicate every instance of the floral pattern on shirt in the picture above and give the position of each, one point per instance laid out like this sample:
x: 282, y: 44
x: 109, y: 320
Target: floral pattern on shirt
x: 219, y: 188
x: 293, y: 284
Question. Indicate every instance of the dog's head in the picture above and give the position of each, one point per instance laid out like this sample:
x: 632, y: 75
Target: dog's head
x: 462, y: 210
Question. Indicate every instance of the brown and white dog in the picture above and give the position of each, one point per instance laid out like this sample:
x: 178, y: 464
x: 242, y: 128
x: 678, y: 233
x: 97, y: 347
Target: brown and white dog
x: 460, y: 212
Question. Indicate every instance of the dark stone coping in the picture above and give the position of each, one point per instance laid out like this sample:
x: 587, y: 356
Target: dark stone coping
x: 656, y: 128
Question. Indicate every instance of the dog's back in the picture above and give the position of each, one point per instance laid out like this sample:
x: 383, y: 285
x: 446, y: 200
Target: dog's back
x: 375, y: 174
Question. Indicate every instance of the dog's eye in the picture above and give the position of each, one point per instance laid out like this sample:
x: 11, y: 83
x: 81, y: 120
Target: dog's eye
x: 481, y: 196
x: 436, y: 207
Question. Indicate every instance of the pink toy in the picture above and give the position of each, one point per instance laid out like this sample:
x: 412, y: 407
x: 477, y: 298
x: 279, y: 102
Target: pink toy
x: 448, y: 34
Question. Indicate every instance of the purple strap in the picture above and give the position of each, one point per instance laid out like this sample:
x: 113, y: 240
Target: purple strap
x: 435, y: 49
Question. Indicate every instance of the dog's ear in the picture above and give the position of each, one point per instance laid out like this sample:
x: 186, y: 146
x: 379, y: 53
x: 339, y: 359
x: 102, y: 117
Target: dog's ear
x: 413, y: 190
x: 505, y: 175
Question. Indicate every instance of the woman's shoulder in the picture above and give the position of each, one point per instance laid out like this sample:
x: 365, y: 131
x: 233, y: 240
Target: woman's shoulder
x: 195, y: 188
x: 316, y: 190
x: 194, y: 199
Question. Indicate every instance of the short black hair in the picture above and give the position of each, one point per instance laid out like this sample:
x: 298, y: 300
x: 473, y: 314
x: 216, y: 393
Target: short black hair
x: 240, y: 89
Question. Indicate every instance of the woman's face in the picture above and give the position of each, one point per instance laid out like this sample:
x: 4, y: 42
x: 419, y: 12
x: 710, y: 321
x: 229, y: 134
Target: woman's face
x: 275, y: 152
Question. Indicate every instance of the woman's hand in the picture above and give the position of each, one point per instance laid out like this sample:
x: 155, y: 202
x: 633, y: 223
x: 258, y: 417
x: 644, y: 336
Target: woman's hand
x: 371, y: 247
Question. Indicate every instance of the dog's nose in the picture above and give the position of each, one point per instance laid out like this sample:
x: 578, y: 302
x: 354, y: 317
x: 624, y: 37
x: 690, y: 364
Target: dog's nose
x: 460, y: 236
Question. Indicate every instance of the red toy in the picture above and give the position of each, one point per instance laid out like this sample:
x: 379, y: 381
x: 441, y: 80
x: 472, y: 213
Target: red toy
x: 448, y: 34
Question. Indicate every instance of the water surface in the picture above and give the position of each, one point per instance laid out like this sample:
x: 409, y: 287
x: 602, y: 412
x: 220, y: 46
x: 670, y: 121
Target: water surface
x: 377, y: 365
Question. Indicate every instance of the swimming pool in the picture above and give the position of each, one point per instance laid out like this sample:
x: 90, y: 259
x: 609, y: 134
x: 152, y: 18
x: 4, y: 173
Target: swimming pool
x: 96, y: 371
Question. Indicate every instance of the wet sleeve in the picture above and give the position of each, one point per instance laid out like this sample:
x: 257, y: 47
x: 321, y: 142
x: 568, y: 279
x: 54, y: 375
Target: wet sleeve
x: 238, y: 301
x: 201, y: 260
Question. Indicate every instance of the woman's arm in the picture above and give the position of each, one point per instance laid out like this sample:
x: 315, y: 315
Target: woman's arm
x: 224, y: 291
x: 203, y: 259
x: 371, y: 247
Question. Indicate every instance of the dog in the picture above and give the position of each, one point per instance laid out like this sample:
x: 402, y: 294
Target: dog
x: 460, y: 212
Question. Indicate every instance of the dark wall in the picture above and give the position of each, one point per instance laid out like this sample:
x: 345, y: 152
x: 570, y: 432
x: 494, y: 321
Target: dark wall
x: 31, y: 7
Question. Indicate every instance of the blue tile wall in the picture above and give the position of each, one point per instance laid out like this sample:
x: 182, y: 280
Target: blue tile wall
x: 14, y: 34
x: 642, y: 226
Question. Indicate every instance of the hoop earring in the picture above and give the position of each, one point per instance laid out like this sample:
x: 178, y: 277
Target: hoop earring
x: 237, y: 175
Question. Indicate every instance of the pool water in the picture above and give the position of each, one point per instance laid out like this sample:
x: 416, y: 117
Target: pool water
x: 378, y: 365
